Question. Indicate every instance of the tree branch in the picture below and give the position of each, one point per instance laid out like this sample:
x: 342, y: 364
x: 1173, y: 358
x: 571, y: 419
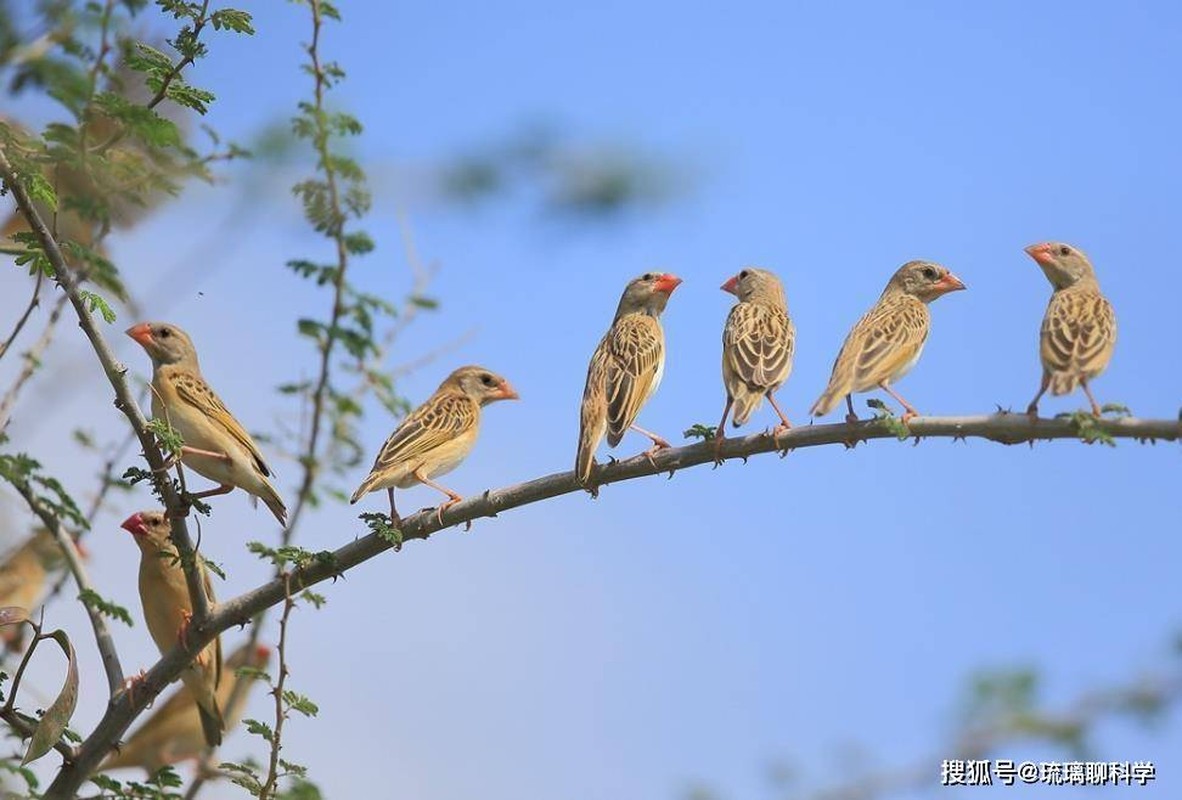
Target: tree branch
x: 1004, y: 428
x: 32, y: 358
x: 124, y: 401
x: 34, y: 301
x: 102, y: 635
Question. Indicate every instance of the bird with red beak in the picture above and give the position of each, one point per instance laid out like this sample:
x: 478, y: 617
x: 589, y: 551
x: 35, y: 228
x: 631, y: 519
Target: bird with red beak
x: 436, y: 437
x: 624, y: 372
x: 216, y: 445
x: 888, y: 340
x: 1078, y: 332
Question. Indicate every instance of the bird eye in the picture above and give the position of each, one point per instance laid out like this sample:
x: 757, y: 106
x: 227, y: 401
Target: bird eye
x: 487, y: 379
x: 165, y: 333
x: 1064, y: 250
x: 929, y: 273
x: 743, y: 275
x: 648, y: 276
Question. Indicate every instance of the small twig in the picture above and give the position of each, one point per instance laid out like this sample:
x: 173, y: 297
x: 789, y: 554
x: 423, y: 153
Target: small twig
x: 269, y: 785
x: 20, y: 670
x: 32, y: 358
x: 179, y: 67
x: 102, y: 634
x: 34, y: 301
x: 23, y: 724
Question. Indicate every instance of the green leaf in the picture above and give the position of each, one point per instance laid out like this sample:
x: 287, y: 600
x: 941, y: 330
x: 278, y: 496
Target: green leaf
x: 94, y: 301
x: 699, y: 431
x: 92, y: 599
x: 232, y: 20
x: 262, y: 729
x: 300, y: 703
x: 57, y: 716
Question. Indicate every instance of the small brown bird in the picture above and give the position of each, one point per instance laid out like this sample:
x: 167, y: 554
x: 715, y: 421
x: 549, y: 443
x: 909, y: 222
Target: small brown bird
x: 173, y: 732
x: 1079, y: 329
x: 23, y: 575
x: 885, y: 343
x: 625, y: 370
x: 216, y: 444
x: 167, y: 611
x: 436, y: 436
x: 758, y: 343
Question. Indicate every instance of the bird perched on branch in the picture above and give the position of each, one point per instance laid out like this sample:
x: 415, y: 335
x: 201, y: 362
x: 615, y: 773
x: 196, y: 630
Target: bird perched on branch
x: 1078, y: 331
x: 758, y: 343
x: 168, y: 609
x: 885, y: 343
x: 215, y: 444
x: 173, y: 732
x: 625, y: 370
x: 435, y: 437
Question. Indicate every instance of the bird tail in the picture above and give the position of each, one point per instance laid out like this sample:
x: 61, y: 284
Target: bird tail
x: 274, y: 502
x: 746, y: 404
x: 829, y: 400
x: 211, y: 725
x: 1063, y: 382
x: 365, y: 488
x: 590, y: 434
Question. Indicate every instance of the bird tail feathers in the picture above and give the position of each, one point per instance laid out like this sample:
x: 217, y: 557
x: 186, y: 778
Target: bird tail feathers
x: 1063, y: 382
x: 590, y: 434
x: 746, y: 404
x: 274, y: 502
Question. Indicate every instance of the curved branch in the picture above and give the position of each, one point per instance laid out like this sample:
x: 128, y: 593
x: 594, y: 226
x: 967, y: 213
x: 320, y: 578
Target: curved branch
x: 34, y: 301
x: 32, y: 358
x: 1003, y: 428
x: 102, y: 634
x: 124, y: 400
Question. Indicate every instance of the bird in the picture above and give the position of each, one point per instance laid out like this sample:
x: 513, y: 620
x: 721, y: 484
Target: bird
x: 887, y: 341
x: 758, y: 343
x: 168, y: 609
x: 434, y: 438
x: 625, y: 370
x: 173, y: 732
x: 23, y: 575
x: 1078, y: 331
x: 215, y: 443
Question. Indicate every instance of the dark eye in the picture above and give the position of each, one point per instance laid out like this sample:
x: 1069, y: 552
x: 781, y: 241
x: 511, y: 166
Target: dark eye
x: 929, y: 273
x: 1064, y: 250
x: 487, y: 379
x: 648, y: 276
x: 165, y: 333
x: 743, y: 275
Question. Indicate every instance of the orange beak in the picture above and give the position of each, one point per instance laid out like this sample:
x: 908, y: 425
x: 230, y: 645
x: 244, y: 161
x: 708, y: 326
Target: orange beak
x: 949, y: 283
x: 262, y: 654
x: 1040, y: 253
x: 142, y: 333
x: 507, y: 392
x: 135, y: 525
x: 667, y: 283
x: 732, y: 285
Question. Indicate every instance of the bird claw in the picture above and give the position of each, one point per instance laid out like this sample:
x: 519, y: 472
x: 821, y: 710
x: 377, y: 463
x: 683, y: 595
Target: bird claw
x: 851, y: 419
x: 182, y: 633
x: 130, y: 684
x: 908, y: 415
x: 1032, y: 411
x: 444, y: 507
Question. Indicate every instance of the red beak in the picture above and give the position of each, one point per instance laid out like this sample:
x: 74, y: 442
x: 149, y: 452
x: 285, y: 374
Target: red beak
x: 142, y: 333
x: 1040, y: 253
x: 135, y: 525
x: 949, y: 283
x: 667, y: 283
x: 506, y: 392
x: 732, y: 285
x: 262, y: 654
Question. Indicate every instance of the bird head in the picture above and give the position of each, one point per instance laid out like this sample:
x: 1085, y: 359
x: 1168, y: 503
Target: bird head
x: 1063, y: 264
x: 751, y: 282
x: 150, y: 529
x: 648, y: 293
x: 164, y: 342
x: 924, y: 280
x: 262, y: 656
x: 482, y: 385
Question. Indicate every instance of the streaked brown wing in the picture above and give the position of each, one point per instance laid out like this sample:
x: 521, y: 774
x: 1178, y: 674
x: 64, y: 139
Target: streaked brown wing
x: 885, y: 340
x: 758, y: 343
x: 635, y: 353
x: 433, y: 424
x: 196, y: 392
x: 1078, y: 332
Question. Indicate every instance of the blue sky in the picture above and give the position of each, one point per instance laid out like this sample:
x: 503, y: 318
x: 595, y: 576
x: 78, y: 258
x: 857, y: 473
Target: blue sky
x: 686, y: 632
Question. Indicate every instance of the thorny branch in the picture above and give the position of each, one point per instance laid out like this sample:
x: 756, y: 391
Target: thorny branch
x: 1004, y: 428
x: 270, y: 784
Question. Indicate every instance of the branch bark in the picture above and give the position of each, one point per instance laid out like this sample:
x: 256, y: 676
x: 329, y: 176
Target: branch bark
x: 1003, y: 428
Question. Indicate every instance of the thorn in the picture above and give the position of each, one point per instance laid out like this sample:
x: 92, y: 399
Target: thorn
x: 468, y: 525
x: 916, y: 442
x: 672, y: 472
x: 744, y: 459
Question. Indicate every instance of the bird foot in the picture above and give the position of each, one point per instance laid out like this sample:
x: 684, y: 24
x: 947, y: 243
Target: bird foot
x: 777, y: 432
x: 445, y: 506
x: 130, y: 685
x: 182, y: 633
x: 852, y: 419
x: 659, y: 444
x: 909, y: 415
x: 718, y: 459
